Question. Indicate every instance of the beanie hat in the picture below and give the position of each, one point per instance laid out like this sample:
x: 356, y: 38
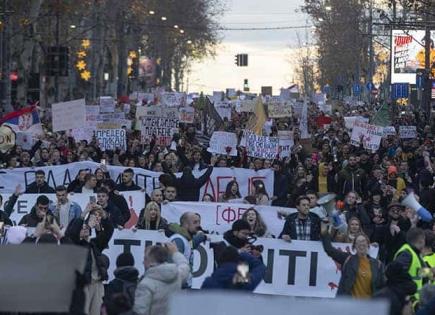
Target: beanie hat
x: 240, y: 225
x: 124, y: 259
x: 391, y: 169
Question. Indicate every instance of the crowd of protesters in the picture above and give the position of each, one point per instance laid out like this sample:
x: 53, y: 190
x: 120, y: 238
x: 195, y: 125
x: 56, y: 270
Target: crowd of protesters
x: 370, y: 187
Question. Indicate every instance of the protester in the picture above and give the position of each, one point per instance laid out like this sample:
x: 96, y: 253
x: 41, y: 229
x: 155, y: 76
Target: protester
x: 127, y: 181
x: 9, y: 206
x: 81, y: 231
x: 111, y: 209
x: 302, y: 225
x: 161, y: 279
x: 231, y: 192
x: 64, y: 210
x: 257, y: 226
x: 150, y: 218
x: 38, y: 212
x: 117, y: 199
x: 120, y: 292
x: 90, y: 185
x: 39, y: 186
x: 228, y: 276
x: 361, y: 275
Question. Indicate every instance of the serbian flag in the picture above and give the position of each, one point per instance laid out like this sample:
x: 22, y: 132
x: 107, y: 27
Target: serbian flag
x: 24, y: 120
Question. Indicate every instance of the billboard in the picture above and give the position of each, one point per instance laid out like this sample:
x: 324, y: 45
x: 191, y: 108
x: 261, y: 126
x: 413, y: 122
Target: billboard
x: 408, y: 54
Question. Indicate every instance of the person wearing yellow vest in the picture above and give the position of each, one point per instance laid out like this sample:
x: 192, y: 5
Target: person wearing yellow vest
x: 409, y: 256
x: 428, y: 254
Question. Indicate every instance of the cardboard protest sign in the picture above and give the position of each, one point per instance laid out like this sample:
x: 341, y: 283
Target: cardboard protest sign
x: 260, y: 146
x: 408, y: 132
x: 286, y: 142
x: 223, y: 109
x: 279, y: 110
x: 107, y: 104
x: 369, y: 135
x: 173, y: 99
x: 389, y: 131
x: 246, y: 106
x: 69, y: 115
x: 349, y: 121
x: 111, y: 139
x: 161, y: 122
x: 187, y: 115
x: 223, y: 143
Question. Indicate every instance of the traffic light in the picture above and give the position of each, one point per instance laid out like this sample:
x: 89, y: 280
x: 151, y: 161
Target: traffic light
x: 241, y: 60
x: 245, y: 85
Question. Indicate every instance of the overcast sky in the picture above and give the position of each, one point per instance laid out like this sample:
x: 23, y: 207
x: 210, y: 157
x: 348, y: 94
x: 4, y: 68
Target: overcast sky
x: 270, y: 52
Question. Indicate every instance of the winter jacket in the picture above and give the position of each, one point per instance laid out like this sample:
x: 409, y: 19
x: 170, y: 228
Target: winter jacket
x: 291, y: 230
x: 8, y: 209
x: 222, y: 277
x: 351, y: 179
x: 157, y: 285
x: 229, y: 240
x: 120, y: 202
x: 124, y: 187
x: 35, y: 189
x: 31, y: 219
x: 125, y: 283
x: 74, y: 211
x: 428, y: 309
x: 188, y: 186
x: 349, y: 268
x: 96, y: 245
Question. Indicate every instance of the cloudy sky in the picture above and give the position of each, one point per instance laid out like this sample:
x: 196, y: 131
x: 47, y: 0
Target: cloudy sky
x: 270, y: 51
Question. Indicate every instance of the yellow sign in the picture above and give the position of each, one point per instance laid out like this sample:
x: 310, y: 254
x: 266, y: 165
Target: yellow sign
x: 7, y: 138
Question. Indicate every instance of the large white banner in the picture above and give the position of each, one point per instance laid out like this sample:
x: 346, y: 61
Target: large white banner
x: 369, y: 135
x: 65, y: 174
x: 24, y: 204
x: 299, y: 268
x: 69, y: 115
x: 217, y: 218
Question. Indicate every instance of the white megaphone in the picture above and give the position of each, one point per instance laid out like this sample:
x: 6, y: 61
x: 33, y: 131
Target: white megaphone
x: 411, y: 202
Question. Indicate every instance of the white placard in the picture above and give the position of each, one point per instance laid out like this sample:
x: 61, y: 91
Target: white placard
x: 260, y: 146
x: 69, y: 115
x: 408, y: 132
x: 111, y: 139
x: 107, y: 104
x: 222, y: 142
x: 173, y: 99
x: 280, y: 110
x: 187, y: 115
x: 369, y: 135
x: 349, y: 121
x: 389, y: 131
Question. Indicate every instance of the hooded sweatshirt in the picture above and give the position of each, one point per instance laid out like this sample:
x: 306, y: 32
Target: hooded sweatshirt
x: 159, y: 282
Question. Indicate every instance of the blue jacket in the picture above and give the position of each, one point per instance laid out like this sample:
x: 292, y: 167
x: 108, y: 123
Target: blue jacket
x: 222, y: 277
x: 75, y: 211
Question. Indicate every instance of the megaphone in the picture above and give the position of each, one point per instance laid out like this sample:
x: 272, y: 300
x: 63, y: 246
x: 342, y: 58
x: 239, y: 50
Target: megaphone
x: 328, y: 203
x: 411, y: 202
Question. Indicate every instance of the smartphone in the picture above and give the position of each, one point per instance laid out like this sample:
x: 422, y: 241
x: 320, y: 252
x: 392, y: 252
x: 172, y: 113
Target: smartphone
x: 103, y: 161
x: 92, y: 199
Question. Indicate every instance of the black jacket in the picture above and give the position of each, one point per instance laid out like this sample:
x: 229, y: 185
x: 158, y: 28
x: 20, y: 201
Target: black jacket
x: 115, y: 214
x: 229, y: 240
x: 125, y: 282
x: 96, y: 245
x: 349, y: 268
x: 290, y: 226
x: 188, y: 186
x: 124, y: 187
x: 35, y: 189
x: 351, y: 179
x: 8, y: 209
x: 120, y: 202
x: 31, y: 219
